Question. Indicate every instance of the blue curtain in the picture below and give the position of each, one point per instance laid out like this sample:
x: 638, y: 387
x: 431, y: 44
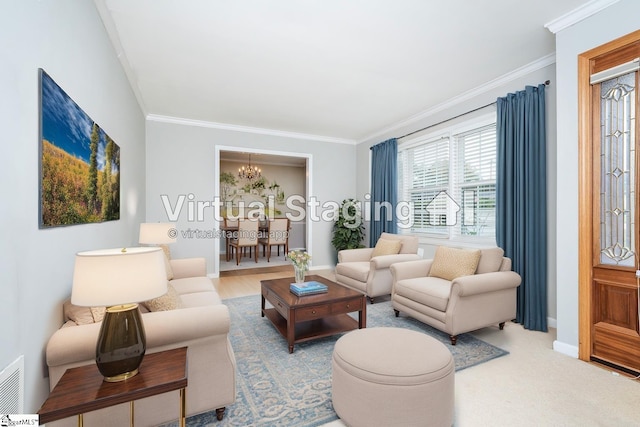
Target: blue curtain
x: 384, y: 189
x: 521, y: 198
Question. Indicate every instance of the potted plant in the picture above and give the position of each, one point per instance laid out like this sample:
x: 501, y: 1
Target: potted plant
x: 348, y: 229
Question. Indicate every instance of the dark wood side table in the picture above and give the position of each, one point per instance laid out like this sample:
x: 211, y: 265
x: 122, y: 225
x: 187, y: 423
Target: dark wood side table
x: 83, y: 389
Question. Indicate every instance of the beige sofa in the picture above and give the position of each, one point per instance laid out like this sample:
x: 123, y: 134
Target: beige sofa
x: 365, y: 271
x: 201, y: 322
x: 470, y: 290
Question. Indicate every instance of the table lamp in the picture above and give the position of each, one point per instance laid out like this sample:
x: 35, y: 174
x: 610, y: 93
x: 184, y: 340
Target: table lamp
x: 158, y: 233
x: 119, y: 279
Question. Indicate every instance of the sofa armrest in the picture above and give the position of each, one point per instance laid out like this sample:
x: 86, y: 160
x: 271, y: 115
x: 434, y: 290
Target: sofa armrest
x: 410, y: 269
x: 355, y: 255
x: 385, y: 261
x: 483, y: 283
x: 75, y: 344
x: 188, y: 267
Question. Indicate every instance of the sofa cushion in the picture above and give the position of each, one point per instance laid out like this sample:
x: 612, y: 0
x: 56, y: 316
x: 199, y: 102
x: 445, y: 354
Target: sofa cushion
x: 190, y: 285
x: 490, y: 260
x: 356, y: 270
x: 169, y: 301
x: 449, y: 263
x: 386, y: 247
x: 200, y: 299
x: 429, y: 291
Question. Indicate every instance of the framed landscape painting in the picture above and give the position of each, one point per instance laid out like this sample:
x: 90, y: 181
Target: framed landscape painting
x: 79, y: 163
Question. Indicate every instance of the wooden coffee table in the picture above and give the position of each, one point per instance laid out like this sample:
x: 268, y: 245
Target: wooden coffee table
x: 309, y: 317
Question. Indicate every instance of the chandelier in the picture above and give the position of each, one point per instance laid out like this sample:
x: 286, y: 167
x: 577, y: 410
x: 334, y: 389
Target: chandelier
x: 249, y: 172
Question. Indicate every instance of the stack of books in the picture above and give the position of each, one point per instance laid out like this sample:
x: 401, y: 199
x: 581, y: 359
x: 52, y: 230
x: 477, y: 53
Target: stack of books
x: 308, y: 288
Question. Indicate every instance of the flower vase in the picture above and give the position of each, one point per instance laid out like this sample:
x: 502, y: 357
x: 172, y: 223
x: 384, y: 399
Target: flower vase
x: 300, y: 271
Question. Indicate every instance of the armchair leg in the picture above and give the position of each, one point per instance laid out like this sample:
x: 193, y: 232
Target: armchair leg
x: 220, y: 413
x: 454, y: 339
x: 396, y: 312
x: 370, y: 299
x: 501, y: 325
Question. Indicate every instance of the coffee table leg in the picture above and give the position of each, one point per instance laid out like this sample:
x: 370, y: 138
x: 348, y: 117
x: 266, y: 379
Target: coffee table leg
x: 362, y: 315
x: 291, y: 329
x: 262, y: 312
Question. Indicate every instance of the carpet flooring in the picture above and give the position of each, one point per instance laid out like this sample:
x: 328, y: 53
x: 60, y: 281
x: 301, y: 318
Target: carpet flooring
x: 275, y: 388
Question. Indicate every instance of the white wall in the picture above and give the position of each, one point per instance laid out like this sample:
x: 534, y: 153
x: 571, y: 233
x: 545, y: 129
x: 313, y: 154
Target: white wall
x: 609, y: 24
x: 181, y: 161
x: 65, y: 38
x: 532, y: 75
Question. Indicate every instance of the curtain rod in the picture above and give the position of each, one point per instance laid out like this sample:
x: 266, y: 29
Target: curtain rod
x: 546, y: 83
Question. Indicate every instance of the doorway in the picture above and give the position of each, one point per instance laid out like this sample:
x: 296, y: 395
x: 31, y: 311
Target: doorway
x: 609, y: 204
x: 282, y: 187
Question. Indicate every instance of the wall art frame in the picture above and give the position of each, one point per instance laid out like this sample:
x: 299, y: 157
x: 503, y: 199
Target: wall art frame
x: 79, y: 164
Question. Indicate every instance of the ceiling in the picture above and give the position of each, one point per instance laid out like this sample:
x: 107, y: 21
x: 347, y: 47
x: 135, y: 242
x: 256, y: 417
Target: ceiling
x: 341, y: 70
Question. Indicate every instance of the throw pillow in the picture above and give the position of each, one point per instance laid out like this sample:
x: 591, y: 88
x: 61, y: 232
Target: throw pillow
x: 77, y: 314
x: 490, y: 260
x: 449, y: 263
x: 386, y: 247
x: 169, y: 301
x: 98, y: 313
x: 167, y: 266
x: 82, y: 315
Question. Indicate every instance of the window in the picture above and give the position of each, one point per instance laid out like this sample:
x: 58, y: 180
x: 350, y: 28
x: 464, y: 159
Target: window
x: 450, y: 180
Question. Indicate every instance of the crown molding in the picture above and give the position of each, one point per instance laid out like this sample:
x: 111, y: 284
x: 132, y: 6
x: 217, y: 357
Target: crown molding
x: 578, y: 14
x: 500, y: 81
x: 248, y: 129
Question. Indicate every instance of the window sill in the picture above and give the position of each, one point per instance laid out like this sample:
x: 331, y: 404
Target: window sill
x: 457, y: 242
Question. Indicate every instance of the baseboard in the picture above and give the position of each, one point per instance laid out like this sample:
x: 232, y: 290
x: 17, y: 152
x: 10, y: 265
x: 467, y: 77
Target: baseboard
x: 552, y: 323
x: 564, y: 348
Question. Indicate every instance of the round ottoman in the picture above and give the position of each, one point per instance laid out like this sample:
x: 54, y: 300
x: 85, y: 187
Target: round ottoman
x: 392, y: 377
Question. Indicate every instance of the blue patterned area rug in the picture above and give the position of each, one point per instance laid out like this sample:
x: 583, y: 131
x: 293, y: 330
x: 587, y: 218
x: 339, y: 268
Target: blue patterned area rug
x: 275, y: 388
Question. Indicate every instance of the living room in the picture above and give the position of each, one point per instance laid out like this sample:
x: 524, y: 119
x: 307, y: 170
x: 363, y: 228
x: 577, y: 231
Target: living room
x: 160, y: 156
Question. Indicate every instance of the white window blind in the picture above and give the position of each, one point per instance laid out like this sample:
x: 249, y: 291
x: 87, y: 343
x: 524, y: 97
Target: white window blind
x: 450, y: 182
x: 425, y: 169
x: 476, y: 187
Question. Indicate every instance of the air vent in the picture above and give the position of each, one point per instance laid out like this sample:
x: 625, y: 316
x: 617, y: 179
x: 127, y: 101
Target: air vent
x: 12, y: 388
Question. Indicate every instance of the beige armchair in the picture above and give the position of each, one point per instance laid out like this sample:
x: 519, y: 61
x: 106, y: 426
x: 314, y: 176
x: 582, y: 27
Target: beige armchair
x: 458, y: 291
x: 367, y: 269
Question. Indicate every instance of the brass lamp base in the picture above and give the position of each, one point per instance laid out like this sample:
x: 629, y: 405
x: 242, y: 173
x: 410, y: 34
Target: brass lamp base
x: 121, y: 343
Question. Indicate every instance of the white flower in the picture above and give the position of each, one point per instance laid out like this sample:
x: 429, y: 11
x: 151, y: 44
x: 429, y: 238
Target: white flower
x: 300, y: 259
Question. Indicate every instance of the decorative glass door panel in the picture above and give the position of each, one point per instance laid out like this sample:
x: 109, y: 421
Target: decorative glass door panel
x: 618, y: 171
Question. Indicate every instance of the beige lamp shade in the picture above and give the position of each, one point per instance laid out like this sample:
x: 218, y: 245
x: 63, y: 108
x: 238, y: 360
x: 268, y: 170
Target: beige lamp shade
x: 111, y: 277
x: 157, y: 233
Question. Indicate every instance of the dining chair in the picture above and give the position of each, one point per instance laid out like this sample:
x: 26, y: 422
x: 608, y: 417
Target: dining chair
x: 247, y: 237
x: 230, y: 229
x: 278, y: 235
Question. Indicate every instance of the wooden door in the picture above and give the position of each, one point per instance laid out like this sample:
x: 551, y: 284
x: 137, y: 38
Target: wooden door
x: 609, y: 261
